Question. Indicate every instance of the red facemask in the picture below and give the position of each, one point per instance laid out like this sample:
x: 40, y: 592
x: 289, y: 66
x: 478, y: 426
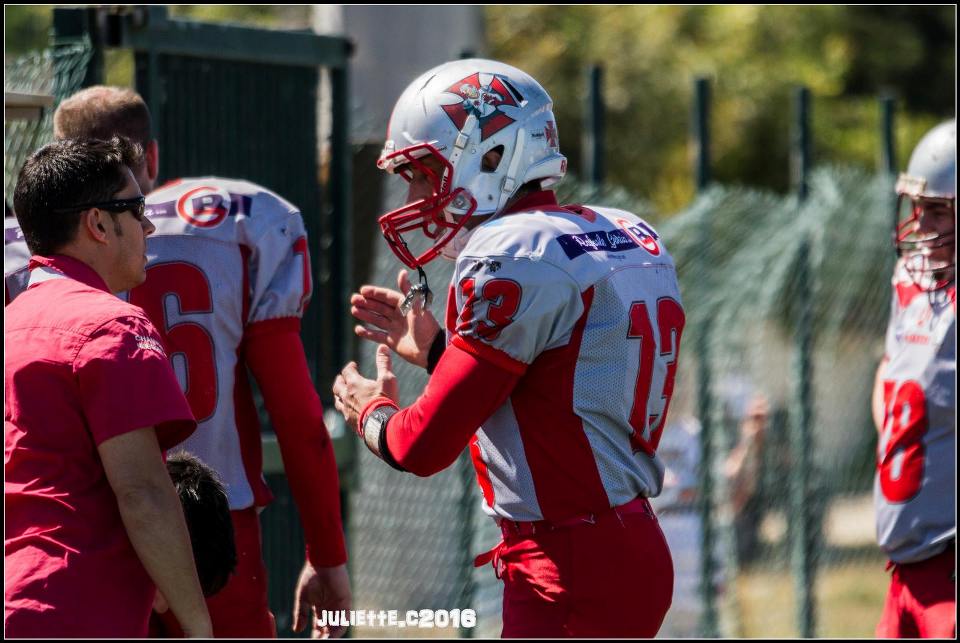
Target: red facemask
x: 424, y: 215
x: 918, y: 248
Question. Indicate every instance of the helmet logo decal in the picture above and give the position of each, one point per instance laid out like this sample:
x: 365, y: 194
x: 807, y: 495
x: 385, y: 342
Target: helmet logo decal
x: 550, y: 130
x: 483, y: 100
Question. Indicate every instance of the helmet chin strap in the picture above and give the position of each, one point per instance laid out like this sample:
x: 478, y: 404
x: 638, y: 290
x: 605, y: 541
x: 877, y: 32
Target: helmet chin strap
x: 509, y: 185
x: 460, y: 145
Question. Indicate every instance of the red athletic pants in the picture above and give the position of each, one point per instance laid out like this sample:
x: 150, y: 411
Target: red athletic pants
x: 921, y: 602
x: 240, y: 609
x: 611, y: 578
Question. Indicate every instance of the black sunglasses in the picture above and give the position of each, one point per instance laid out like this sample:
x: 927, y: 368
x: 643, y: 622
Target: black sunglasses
x: 136, y: 206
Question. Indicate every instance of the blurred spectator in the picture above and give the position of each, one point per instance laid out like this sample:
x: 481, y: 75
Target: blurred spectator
x: 678, y: 508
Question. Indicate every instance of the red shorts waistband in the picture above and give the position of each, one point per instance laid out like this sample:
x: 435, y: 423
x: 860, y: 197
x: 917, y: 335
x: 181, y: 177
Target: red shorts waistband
x: 513, y: 528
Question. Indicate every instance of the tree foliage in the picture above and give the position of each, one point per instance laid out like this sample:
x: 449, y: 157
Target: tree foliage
x: 754, y: 56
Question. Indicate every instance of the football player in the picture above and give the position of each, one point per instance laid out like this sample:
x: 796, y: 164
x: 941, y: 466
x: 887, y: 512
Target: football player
x: 556, y: 369
x: 914, y: 400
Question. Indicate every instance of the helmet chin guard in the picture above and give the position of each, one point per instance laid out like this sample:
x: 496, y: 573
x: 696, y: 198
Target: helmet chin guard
x: 425, y: 215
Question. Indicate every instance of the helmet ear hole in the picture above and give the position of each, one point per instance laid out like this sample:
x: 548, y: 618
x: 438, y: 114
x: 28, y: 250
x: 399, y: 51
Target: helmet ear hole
x: 491, y: 160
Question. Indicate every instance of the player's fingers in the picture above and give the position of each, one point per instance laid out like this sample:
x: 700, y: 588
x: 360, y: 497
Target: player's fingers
x: 369, y: 317
x: 370, y: 334
x: 339, y: 388
x: 350, y: 372
x: 403, y: 281
x: 301, y: 613
x: 375, y: 307
x: 386, y: 295
x: 384, y: 369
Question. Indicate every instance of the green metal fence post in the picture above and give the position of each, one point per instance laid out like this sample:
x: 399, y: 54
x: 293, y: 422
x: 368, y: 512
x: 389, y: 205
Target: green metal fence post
x: 709, y: 619
x: 801, y: 445
x: 801, y: 437
x: 73, y: 25
x: 800, y: 142
x: 465, y: 509
x: 701, y: 131
x: 341, y: 279
x: 888, y: 148
x: 888, y: 141
x: 593, y: 133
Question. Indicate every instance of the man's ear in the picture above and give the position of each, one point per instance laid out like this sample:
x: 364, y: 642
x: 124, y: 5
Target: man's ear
x: 152, y: 156
x: 93, y: 226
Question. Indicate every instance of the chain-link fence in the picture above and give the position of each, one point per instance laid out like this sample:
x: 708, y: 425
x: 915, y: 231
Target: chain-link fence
x: 793, y: 299
x: 57, y: 72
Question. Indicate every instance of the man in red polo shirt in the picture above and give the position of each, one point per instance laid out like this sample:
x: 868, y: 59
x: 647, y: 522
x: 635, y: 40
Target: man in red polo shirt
x: 93, y: 525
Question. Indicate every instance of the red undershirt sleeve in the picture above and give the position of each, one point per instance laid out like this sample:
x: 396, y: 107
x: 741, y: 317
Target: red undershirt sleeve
x: 463, y: 392
x: 279, y: 365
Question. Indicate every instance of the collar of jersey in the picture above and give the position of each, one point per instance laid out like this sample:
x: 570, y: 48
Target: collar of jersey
x: 534, y: 201
x: 72, y: 268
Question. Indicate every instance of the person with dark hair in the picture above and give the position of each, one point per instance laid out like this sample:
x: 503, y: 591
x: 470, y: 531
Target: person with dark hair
x: 93, y: 525
x: 207, y: 512
x: 205, y: 507
x: 251, y: 243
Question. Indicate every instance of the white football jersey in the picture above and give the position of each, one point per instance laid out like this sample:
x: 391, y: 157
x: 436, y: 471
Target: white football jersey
x: 915, y: 486
x: 226, y: 255
x: 584, y: 303
x: 16, y: 256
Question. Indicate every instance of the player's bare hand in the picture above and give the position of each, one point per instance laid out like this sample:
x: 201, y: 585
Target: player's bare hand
x: 352, y: 391
x: 319, y: 589
x: 410, y: 335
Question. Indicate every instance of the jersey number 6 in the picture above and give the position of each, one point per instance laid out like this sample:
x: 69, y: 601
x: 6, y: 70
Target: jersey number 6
x: 189, y: 285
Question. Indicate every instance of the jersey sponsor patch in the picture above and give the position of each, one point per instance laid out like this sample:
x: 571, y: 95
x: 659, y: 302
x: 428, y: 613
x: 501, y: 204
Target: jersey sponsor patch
x: 629, y: 237
x: 150, y: 344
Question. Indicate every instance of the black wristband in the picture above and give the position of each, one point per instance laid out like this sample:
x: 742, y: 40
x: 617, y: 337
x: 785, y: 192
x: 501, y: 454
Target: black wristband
x: 385, y: 454
x: 375, y: 434
x: 436, y: 350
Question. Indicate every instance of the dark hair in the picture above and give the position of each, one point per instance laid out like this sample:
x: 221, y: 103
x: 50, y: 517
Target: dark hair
x: 207, y: 513
x: 63, y: 174
x: 102, y: 112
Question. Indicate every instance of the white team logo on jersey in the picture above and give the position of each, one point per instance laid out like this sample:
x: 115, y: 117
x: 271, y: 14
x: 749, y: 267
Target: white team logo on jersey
x: 204, y: 207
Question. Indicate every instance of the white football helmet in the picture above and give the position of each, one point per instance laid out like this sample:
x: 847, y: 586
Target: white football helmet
x: 456, y: 113
x: 927, y: 208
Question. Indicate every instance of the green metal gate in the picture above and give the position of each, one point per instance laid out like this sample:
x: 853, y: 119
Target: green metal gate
x: 242, y: 102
